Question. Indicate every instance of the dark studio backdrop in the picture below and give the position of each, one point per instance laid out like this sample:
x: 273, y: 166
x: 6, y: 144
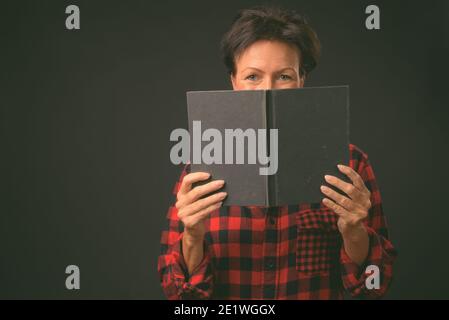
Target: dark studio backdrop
x: 86, y: 116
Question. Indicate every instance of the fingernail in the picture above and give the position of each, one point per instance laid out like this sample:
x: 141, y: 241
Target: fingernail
x: 340, y: 166
x: 327, y: 177
x: 323, y: 188
x: 223, y: 195
x: 220, y: 182
x: 220, y: 203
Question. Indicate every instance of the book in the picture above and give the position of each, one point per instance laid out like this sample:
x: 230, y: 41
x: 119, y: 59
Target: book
x: 312, y: 128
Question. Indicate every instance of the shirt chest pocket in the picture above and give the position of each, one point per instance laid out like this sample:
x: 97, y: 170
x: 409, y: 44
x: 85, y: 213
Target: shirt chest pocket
x: 318, y: 241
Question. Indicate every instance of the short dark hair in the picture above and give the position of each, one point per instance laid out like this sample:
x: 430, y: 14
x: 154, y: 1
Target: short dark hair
x: 271, y: 23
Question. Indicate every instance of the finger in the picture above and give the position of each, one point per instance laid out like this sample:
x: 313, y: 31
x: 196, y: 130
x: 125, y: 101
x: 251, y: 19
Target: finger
x: 335, y: 207
x: 348, y: 217
x: 201, y: 204
x: 343, y: 201
x: 354, y: 176
x: 199, y: 191
x: 202, y: 214
x: 191, y: 178
x: 348, y: 188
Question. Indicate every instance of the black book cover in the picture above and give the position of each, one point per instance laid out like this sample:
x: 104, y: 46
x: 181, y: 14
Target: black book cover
x: 313, y: 137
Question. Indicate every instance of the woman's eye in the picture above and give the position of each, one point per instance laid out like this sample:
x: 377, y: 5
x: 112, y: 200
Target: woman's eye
x: 285, y: 77
x: 251, y: 77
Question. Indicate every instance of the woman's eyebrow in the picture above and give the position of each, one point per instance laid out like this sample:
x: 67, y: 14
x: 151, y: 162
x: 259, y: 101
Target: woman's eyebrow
x: 252, y: 68
x: 259, y: 70
x: 287, y: 68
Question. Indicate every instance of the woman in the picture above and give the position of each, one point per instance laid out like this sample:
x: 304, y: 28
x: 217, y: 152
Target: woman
x: 313, y: 251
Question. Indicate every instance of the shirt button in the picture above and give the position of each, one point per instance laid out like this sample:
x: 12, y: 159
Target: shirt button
x: 269, y: 264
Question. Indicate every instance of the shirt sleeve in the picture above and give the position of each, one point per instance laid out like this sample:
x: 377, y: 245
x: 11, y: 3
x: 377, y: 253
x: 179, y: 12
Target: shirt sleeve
x: 358, y: 280
x: 174, y: 276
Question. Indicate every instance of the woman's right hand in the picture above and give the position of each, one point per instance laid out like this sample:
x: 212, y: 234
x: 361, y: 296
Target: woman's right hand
x: 193, y: 207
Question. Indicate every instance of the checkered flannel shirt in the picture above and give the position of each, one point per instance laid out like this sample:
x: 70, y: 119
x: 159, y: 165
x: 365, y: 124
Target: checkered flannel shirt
x: 286, y: 252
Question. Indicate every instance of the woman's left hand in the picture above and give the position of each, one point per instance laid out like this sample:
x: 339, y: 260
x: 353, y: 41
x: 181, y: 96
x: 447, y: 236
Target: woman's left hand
x: 351, y: 210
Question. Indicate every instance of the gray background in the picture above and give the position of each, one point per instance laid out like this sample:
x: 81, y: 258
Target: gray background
x: 86, y: 116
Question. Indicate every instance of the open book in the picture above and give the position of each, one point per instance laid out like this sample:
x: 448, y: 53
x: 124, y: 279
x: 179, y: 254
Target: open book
x: 272, y: 147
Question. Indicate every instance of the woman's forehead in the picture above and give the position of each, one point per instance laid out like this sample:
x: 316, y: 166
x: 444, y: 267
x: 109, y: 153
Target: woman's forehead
x: 265, y: 54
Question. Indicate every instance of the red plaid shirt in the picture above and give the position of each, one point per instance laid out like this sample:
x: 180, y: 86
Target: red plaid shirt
x: 287, y: 252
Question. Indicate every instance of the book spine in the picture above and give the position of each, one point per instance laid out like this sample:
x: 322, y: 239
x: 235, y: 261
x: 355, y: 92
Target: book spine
x: 272, y: 194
